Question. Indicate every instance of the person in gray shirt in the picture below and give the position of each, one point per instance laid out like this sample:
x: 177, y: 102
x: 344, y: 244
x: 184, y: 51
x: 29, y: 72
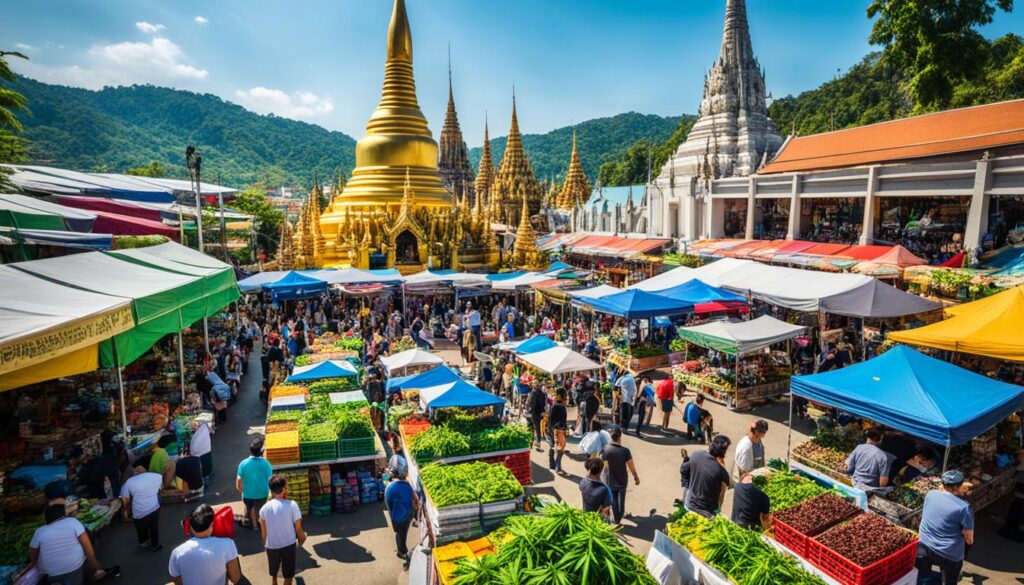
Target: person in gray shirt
x: 868, y: 464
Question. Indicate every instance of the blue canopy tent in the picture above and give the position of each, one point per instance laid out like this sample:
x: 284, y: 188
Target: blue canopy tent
x: 697, y: 291
x: 909, y: 391
x: 294, y: 286
x: 638, y: 304
x: 324, y: 369
x: 534, y: 344
x: 457, y: 394
x: 559, y: 265
x: 432, y: 377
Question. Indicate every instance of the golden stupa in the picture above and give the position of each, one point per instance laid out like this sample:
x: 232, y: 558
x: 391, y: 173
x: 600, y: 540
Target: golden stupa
x: 395, y: 212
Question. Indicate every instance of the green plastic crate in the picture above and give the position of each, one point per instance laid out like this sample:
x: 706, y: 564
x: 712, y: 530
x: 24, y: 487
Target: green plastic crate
x: 319, y: 451
x: 358, y: 446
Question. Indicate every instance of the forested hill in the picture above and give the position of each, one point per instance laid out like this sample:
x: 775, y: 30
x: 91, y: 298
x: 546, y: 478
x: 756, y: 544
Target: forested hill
x: 599, y: 141
x: 874, y: 91
x: 115, y: 129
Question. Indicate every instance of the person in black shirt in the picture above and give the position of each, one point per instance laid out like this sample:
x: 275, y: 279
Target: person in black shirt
x: 558, y: 421
x: 537, y: 403
x: 706, y: 478
x: 189, y: 469
x: 596, y: 495
x: 375, y: 394
x: 750, y: 505
x: 620, y: 462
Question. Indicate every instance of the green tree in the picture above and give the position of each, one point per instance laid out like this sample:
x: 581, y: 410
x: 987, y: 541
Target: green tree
x: 268, y: 218
x: 13, y: 148
x: 631, y: 167
x: 935, y: 41
x: 153, y: 169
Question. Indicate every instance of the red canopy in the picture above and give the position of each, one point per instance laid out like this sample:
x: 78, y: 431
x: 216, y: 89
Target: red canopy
x: 116, y: 206
x: 956, y: 261
x: 124, y: 225
x: 865, y: 253
x: 718, y: 306
x: 900, y: 256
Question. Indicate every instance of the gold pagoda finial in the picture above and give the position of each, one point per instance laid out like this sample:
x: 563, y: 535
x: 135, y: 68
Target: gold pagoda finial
x: 485, y: 175
x: 399, y: 34
x: 524, y: 253
x: 576, y: 189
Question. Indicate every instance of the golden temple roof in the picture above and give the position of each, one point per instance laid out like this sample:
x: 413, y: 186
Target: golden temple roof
x: 514, y: 182
x: 453, y: 161
x: 485, y: 174
x: 576, y: 189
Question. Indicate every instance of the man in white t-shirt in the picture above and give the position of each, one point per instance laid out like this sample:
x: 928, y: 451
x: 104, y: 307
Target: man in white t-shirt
x: 750, y: 450
x: 204, y: 559
x: 473, y: 322
x: 61, y: 549
x: 200, y: 446
x: 140, y: 497
x: 281, y: 529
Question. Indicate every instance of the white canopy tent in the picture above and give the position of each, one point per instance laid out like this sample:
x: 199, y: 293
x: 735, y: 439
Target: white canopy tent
x: 461, y: 278
x: 741, y: 337
x: 353, y: 276
x: 559, y: 360
x: 594, y: 292
x: 519, y: 281
x: 665, y: 280
x: 399, y: 362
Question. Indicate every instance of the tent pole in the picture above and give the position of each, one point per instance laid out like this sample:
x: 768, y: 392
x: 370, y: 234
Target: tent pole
x: 789, y: 437
x: 120, y: 393
x: 206, y: 334
x: 181, y: 366
x: 945, y: 459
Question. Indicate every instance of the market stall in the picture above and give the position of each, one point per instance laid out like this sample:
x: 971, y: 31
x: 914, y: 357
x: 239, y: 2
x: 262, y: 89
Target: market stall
x: 323, y: 369
x: 969, y: 417
x: 754, y: 374
x: 294, y: 286
x: 559, y: 360
x: 413, y: 359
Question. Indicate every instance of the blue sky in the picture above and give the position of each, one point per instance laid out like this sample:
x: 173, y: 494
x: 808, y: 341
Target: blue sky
x: 322, y: 60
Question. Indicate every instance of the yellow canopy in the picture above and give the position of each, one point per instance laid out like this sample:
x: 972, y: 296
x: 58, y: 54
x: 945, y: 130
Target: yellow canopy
x: 86, y: 359
x: 989, y: 327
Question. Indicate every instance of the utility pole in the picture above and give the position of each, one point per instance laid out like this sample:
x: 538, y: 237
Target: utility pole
x: 223, y: 227
x: 194, y: 162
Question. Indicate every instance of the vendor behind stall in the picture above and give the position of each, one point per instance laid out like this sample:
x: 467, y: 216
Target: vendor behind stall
x: 750, y: 506
x: 922, y: 463
x: 868, y: 464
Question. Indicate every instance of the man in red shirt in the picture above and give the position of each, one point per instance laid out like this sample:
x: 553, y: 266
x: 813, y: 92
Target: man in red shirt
x: 665, y: 391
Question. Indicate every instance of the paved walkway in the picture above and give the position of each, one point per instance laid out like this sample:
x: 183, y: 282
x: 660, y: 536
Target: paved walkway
x: 359, y: 548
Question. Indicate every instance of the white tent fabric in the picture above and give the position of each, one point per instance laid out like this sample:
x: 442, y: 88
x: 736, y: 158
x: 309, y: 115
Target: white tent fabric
x: 559, y: 360
x: 107, y: 275
x: 256, y: 281
x: 175, y: 252
x: 594, y: 292
x: 30, y: 305
x: 461, y: 278
x: 797, y: 289
x: 409, y: 358
x: 665, y: 280
x: 748, y: 336
x: 519, y: 281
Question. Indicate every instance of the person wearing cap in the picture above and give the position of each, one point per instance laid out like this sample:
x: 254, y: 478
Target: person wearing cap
x: 750, y: 449
x: 868, y: 464
x: 252, y: 480
x: 204, y: 559
x: 947, y: 529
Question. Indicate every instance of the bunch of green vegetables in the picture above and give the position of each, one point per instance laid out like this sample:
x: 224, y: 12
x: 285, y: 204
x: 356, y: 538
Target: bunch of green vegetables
x: 677, y: 345
x: 786, y: 489
x: 504, y: 438
x: 462, y: 421
x: 14, y: 541
x: 334, y: 385
x: 563, y: 546
x: 350, y: 421
x: 317, y: 432
x: 439, y: 442
x: 738, y: 553
x: 468, y: 483
x: 303, y: 360
x: 351, y: 343
x: 906, y: 496
x: 397, y: 414
x: 283, y: 415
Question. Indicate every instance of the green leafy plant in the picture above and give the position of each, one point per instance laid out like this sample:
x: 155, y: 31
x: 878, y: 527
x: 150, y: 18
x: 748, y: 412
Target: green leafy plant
x: 467, y: 483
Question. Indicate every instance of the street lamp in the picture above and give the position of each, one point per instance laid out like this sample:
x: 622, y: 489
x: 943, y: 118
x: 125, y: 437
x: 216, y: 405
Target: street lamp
x: 194, y: 162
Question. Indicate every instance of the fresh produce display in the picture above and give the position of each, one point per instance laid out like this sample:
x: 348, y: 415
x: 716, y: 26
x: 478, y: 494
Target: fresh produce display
x: 503, y: 438
x: 644, y: 350
x: 817, y: 514
x: 439, y: 442
x: 677, y: 345
x: 827, y: 457
x: 14, y: 542
x: 866, y: 539
x: 334, y: 385
x: 350, y: 343
x: 906, y: 495
x: 403, y: 344
x: 397, y: 414
x: 738, y: 553
x: 282, y: 415
x: 467, y: 483
x: 317, y: 432
x: 352, y: 421
x: 563, y: 546
x: 786, y: 489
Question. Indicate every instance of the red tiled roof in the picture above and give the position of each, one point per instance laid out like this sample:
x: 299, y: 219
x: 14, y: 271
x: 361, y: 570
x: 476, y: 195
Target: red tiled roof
x: 952, y: 131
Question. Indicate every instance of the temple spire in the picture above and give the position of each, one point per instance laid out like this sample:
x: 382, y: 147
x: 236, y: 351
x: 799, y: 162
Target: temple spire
x: 524, y: 252
x: 453, y: 155
x: 485, y: 173
x: 515, y: 176
x: 576, y: 189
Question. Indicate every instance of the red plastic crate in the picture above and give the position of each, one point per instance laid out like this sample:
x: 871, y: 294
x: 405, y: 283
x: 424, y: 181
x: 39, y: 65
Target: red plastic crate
x: 789, y: 537
x: 882, y: 572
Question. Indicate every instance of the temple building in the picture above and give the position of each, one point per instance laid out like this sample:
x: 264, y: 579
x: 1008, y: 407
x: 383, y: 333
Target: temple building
x: 453, y: 161
x: 733, y: 136
x: 575, y: 190
x: 396, y: 211
x: 514, y: 183
x: 485, y: 176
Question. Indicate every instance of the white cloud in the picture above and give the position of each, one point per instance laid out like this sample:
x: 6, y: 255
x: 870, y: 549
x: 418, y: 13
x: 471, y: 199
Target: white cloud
x: 301, y: 105
x: 149, y: 28
x: 159, y: 61
x: 201, y: 20
x: 25, y: 47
